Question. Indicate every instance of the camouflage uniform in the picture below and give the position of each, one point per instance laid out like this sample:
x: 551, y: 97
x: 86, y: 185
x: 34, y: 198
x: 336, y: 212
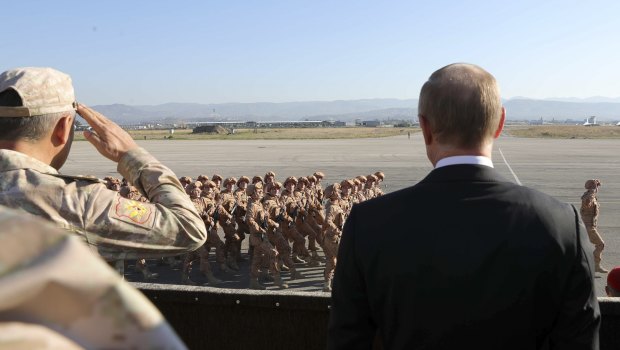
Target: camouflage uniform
x: 227, y: 201
x: 288, y: 200
x: 380, y: 177
x: 334, y: 221
x: 589, y: 214
x: 277, y: 212
x: 201, y: 254
x: 241, y: 198
x: 302, y: 218
x: 43, y: 271
x: 264, y: 253
x: 119, y: 228
x: 214, y: 211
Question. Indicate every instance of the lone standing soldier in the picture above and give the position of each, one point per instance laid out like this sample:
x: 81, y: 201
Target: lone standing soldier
x: 37, y: 112
x: 589, y: 214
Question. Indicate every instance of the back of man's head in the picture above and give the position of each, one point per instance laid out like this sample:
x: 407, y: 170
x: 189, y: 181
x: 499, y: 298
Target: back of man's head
x: 32, y: 100
x: 462, y: 105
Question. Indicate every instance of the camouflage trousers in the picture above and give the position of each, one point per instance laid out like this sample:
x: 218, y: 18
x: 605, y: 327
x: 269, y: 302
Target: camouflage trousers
x: 282, y: 246
x: 599, y: 244
x: 306, y: 230
x: 214, y: 241
x: 202, y: 255
x: 232, y: 239
x: 264, y: 254
x: 330, y: 246
x: 299, y: 242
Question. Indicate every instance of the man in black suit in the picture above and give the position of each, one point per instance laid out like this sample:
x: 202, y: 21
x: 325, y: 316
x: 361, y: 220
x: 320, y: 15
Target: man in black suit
x: 464, y: 259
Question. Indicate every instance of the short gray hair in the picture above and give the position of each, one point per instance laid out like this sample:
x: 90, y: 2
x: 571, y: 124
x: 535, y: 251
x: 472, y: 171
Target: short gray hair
x: 462, y: 105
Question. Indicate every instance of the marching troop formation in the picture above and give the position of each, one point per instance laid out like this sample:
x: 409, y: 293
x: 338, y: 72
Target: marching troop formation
x: 287, y: 223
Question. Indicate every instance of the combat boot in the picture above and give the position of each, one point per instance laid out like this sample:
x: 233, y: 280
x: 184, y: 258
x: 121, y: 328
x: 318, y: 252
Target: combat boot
x: 600, y: 269
x: 255, y: 285
x: 316, y: 257
x: 296, y: 275
x: 277, y: 280
x: 186, y: 280
x: 281, y: 266
x: 225, y: 268
x: 327, y: 287
x: 211, y: 279
x: 232, y: 263
x: 298, y: 260
x: 313, y: 263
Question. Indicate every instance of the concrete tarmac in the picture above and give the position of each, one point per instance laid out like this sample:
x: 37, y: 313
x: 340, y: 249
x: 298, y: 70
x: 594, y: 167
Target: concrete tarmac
x: 557, y: 167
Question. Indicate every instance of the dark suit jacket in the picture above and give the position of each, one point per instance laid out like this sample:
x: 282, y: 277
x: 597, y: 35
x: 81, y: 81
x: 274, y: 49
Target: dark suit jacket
x: 464, y: 260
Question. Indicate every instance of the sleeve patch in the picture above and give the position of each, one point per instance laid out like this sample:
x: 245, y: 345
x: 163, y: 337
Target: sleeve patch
x: 133, y: 211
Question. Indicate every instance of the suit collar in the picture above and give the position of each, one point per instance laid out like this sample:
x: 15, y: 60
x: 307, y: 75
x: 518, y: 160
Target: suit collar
x: 464, y: 172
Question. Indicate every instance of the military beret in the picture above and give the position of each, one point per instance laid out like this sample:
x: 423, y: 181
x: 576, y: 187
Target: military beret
x: 318, y: 175
x: 592, y: 184
x: 380, y: 175
x: 216, y: 177
x: 290, y: 179
x: 256, y: 179
x: 229, y: 180
x: 613, y: 278
x: 243, y: 179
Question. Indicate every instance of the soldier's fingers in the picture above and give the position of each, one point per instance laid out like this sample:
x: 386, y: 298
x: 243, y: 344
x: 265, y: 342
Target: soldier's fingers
x: 92, y: 117
x: 93, y: 138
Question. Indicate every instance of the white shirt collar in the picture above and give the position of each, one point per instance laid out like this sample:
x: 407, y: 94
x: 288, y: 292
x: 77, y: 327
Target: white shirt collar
x: 480, y: 160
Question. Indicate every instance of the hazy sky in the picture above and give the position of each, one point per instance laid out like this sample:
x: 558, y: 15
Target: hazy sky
x: 152, y: 52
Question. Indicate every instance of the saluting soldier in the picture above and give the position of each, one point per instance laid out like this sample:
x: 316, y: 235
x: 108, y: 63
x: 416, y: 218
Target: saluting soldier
x: 264, y: 253
x: 319, y: 175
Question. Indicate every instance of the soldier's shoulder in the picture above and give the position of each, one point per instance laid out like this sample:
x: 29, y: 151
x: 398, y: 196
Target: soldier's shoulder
x: 73, y: 178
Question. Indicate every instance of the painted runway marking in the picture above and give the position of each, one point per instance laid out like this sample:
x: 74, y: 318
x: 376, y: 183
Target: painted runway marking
x: 509, y: 168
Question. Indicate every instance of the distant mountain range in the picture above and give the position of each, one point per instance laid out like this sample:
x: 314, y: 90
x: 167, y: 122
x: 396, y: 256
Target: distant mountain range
x: 349, y: 110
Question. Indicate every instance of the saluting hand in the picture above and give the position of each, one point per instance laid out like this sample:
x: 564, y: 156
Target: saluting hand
x: 107, y: 137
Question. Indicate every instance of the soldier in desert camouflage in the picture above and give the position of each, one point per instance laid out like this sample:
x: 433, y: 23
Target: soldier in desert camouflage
x: 315, y: 216
x: 277, y: 212
x: 201, y: 254
x: 301, y: 222
x: 288, y: 199
x: 227, y: 202
x: 185, y: 181
x: 319, y: 175
x: 241, y: 198
x: 369, y: 189
x: 589, y: 213
x: 264, y: 252
x: 37, y: 111
x: 346, y: 202
x: 380, y: 177
x: 268, y: 180
x: 332, y: 230
x: 360, y: 188
x: 50, y: 281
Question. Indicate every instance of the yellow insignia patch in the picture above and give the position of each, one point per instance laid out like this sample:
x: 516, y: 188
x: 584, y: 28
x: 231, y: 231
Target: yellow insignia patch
x: 135, y: 211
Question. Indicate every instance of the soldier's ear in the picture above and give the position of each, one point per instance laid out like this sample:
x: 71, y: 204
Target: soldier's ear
x: 63, y: 130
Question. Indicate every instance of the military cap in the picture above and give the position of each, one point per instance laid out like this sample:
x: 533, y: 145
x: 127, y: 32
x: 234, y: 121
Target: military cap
x: 109, y: 178
x: 303, y: 179
x: 270, y: 173
x: 253, y: 187
x: 290, y: 179
x: 216, y: 177
x: 347, y: 182
x: 243, y: 179
x: 318, y: 175
x: 380, y: 175
x: 592, y: 184
x: 331, y: 189
x: 210, y: 184
x: 195, y: 184
x: 371, y: 178
x: 361, y: 178
x: 311, y: 178
x: 277, y: 184
x: 202, y: 178
x: 613, y: 278
x: 229, y: 180
x: 256, y: 179
x: 356, y: 181
x: 41, y: 90
x: 185, y: 179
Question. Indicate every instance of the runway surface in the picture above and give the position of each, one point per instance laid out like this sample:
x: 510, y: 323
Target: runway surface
x: 557, y: 167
